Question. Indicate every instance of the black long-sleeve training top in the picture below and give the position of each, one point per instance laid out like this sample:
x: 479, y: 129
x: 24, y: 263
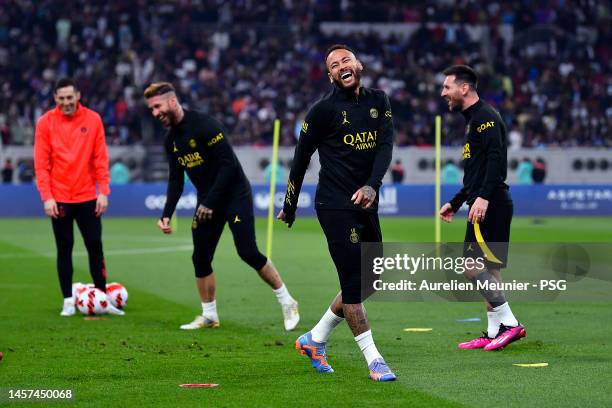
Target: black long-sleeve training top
x: 354, y: 136
x: 485, y: 155
x: 199, y: 146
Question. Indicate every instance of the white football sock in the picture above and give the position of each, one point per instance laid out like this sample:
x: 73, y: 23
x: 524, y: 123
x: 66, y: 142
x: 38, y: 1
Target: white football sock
x: 209, y: 310
x: 69, y: 301
x: 493, y: 326
x: 367, y: 346
x: 505, y: 316
x: 283, y: 296
x: 321, y: 332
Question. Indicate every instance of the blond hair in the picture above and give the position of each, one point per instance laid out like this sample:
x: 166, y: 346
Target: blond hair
x: 158, y: 88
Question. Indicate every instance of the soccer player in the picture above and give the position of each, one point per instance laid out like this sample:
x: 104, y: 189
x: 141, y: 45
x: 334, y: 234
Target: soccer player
x: 484, y: 189
x: 196, y: 144
x: 70, y: 160
x: 352, y: 128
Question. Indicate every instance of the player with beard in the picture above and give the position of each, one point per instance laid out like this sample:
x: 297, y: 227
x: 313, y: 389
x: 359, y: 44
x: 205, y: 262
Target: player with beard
x: 485, y: 166
x: 196, y: 144
x: 352, y: 129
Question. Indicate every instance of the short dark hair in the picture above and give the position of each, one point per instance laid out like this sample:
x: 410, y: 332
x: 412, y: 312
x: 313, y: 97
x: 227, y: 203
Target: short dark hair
x: 158, y: 88
x: 64, y: 82
x: 337, y: 47
x: 463, y: 74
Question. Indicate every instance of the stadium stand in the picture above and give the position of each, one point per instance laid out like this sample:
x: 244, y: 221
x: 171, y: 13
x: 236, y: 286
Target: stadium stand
x: 547, y: 68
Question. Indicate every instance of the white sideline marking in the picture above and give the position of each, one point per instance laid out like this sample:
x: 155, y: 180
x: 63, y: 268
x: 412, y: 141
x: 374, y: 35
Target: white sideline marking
x: 131, y: 251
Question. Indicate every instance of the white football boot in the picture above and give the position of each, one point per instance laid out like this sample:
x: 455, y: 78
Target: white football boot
x: 291, y: 315
x: 68, y: 309
x: 200, y: 322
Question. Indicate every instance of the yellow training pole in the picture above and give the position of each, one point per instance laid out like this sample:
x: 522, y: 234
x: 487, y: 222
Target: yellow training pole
x: 438, y: 178
x: 275, y: 141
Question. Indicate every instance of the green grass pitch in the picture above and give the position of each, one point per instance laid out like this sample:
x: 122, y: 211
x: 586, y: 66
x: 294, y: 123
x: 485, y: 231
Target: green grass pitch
x: 139, y: 359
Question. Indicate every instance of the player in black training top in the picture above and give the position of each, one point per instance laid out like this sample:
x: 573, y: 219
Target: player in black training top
x: 352, y: 129
x: 487, y: 194
x: 196, y: 144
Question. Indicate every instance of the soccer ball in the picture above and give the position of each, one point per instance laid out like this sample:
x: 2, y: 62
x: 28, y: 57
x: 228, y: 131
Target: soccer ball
x: 117, y: 294
x: 92, y: 301
x: 78, y: 288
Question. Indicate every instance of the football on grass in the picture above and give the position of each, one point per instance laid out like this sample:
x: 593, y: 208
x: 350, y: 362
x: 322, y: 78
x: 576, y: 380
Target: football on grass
x: 77, y: 289
x: 117, y: 294
x: 92, y: 302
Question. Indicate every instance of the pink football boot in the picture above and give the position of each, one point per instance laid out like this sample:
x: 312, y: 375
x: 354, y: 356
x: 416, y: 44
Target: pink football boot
x: 506, y: 336
x: 477, y: 343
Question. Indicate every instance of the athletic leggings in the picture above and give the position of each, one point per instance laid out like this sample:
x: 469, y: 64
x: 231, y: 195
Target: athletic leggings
x: 91, y: 229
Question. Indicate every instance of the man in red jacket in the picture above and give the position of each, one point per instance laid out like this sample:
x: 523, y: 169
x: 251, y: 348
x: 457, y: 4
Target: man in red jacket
x: 70, y: 161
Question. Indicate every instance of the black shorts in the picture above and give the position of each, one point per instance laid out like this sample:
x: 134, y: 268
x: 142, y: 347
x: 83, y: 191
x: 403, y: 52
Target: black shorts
x: 206, y: 235
x: 345, y: 230
x: 495, y: 231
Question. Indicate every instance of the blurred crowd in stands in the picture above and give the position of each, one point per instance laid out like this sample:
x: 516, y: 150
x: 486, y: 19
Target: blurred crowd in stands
x: 546, y: 65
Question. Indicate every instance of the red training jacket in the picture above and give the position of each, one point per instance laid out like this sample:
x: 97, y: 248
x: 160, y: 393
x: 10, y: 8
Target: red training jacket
x: 70, y: 156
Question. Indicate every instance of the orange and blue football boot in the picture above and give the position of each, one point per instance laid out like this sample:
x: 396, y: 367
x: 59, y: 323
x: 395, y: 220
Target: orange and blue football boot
x: 315, y: 351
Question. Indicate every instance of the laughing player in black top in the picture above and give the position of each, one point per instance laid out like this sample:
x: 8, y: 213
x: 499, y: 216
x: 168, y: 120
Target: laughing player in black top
x: 352, y: 129
x: 487, y: 194
x: 196, y: 144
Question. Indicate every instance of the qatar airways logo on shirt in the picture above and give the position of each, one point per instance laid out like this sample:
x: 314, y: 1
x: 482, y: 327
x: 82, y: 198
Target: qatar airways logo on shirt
x: 190, y: 160
x: 361, y: 140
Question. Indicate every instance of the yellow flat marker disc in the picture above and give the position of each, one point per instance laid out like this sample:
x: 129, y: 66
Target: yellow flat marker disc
x: 418, y: 329
x: 531, y: 365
